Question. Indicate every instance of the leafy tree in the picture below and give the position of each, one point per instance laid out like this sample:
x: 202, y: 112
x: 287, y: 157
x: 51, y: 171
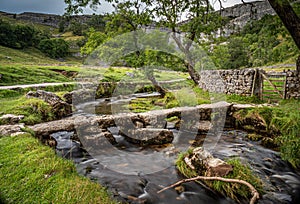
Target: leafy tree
x: 128, y: 16
x: 7, y: 35
x: 95, y: 39
x: 62, y: 25
x: 290, y: 20
x: 19, y: 36
x: 131, y: 15
x: 54, y: 47
x: 171, y: 11
x: 238, y: 53
x: 220, y: 56
x: 76, y: 27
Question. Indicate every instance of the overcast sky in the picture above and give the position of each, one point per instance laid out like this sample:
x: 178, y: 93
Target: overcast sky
x: 58, y: 6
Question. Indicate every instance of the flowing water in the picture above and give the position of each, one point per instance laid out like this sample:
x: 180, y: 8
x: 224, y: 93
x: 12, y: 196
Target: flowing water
x: 281, y: 181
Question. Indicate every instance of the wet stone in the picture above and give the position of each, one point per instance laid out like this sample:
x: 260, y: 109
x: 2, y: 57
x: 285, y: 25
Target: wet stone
x: 148, y: 136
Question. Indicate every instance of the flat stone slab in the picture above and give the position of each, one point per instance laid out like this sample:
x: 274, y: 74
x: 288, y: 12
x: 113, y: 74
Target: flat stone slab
x: 148, y: 136
x: 11, y: 130
x: 11, y: 119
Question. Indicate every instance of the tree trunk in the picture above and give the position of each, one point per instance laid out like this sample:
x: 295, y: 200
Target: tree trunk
x: 157, y: 87
x: 298, y: 64
x: 193, y: 74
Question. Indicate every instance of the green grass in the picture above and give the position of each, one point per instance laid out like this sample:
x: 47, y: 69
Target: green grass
x: 31, y: 173
x: 116, y: 74
x: 286, y: 118
x: 243, y: 99
x: 34, y: 110
x: 7, y: 94
x: 13, y: 74
x: 282, y: 124
x: 24, y: 56
x: 233, y: 190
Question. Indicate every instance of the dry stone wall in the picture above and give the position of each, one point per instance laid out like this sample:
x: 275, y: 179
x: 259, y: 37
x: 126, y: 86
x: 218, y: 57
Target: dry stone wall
x: 245, y: 82
x: 292, y: 84
x: 228, y: 81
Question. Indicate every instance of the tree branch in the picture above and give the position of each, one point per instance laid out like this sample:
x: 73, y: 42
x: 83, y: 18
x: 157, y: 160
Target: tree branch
x: 254, y: 192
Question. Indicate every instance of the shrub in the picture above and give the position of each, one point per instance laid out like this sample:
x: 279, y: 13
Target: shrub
x: 17, y: 36
x: 54, y: 48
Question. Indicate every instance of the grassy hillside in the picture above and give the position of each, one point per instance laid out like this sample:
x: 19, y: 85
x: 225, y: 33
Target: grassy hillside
x: 32, y: 56
x: 22, y: 74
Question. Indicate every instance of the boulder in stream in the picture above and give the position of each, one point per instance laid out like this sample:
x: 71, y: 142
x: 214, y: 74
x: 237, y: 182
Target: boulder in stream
x: 204, y: 163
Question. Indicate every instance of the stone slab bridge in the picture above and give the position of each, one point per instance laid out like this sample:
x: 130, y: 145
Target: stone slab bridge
x: 148, y: 128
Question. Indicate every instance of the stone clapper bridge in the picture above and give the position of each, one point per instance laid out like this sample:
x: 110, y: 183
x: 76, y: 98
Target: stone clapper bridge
x: 148, y: 128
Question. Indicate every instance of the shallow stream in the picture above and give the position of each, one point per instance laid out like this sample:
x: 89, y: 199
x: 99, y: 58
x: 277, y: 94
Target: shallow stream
x: 281, y: 181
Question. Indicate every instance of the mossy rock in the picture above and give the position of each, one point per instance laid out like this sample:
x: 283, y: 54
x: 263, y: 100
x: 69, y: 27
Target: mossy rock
x: 235, y: 191
x: 254, y: 137
x: 269, y: 143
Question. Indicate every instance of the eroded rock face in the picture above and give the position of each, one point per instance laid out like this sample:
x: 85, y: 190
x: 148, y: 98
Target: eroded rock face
x: 205, y: 164
x: 60, y: 108
x: 10, y: 119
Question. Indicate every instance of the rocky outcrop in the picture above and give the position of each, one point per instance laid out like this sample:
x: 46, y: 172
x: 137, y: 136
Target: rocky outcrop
x: 60, y: 108
x: 46, y: 19
x: 241, y: 14
x: 10, y: 119
x: 11, y: 130
x: 79, y: 96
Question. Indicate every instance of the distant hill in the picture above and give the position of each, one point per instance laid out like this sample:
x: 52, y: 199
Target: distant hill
x: 239, y: 15
x: 46, y: 19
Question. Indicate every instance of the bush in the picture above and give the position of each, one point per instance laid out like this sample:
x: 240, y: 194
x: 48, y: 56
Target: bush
x: 17, y: 36
x: 20, y: 36
x: 54, y: 48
